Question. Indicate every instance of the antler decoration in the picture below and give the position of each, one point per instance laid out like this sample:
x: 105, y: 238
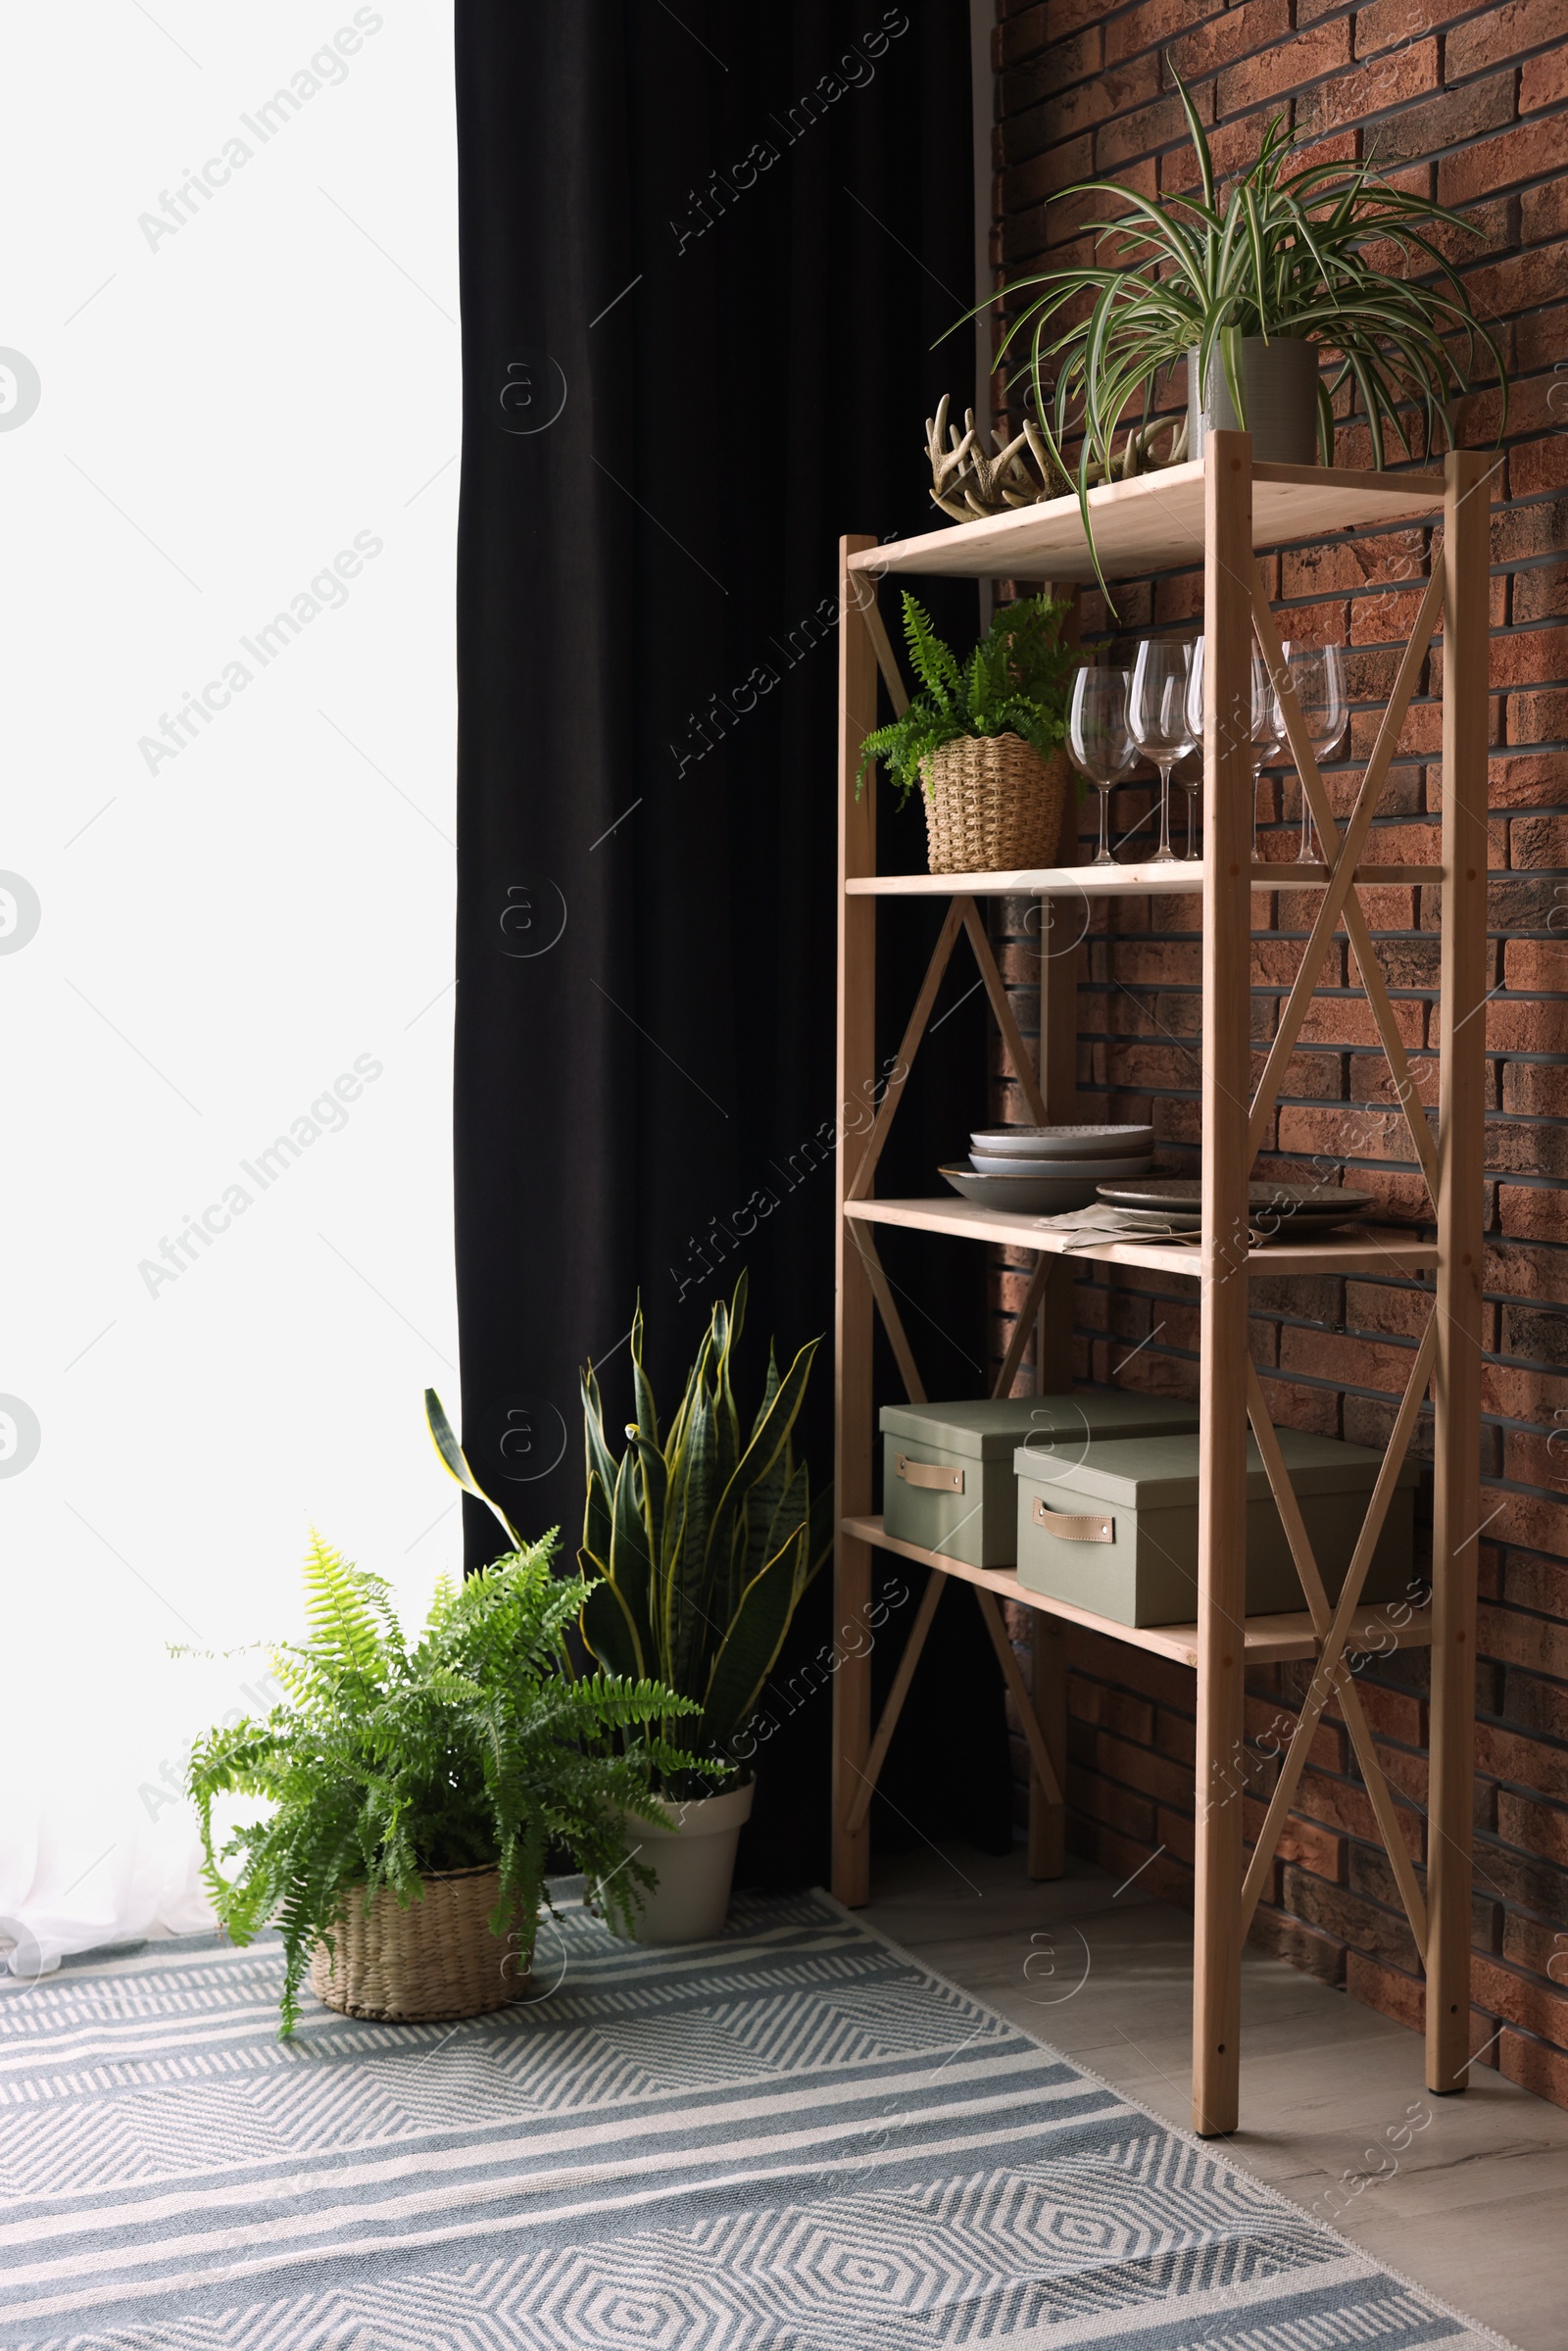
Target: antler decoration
x: 965, y: 482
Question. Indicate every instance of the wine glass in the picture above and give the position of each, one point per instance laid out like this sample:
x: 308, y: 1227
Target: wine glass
x: 1318, y: 673
x: 1268, y: 729
x: 1157, y: 716
x: 1265, y: 728
x: 1099, y: 742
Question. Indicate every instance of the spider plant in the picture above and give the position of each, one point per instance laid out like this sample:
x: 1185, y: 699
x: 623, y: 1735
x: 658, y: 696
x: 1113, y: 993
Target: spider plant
x: 1285, y: 251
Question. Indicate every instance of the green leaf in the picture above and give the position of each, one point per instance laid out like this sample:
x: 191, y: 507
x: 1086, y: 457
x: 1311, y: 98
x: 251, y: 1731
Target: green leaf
x: 611, y: 1631
x: 455, y: 1462
x: 751, y: 1647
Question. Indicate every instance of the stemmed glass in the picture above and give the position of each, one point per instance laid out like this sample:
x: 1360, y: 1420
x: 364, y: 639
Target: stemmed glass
x: 1157, y: 716
x: 1099, y: 742
x: 1318, y: 673
x: 1265, y: 727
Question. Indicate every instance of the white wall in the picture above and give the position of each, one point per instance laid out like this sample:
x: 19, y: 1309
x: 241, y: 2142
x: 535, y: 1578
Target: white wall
x: 223, y: 931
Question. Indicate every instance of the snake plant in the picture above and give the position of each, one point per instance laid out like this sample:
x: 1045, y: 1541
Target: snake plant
x: 1286, y: 252
x: 704, y: 1539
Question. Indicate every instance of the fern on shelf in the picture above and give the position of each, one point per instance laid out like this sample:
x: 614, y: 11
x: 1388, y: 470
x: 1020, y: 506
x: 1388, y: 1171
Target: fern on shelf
x: 476, y: 1748
x: 1016, y: 682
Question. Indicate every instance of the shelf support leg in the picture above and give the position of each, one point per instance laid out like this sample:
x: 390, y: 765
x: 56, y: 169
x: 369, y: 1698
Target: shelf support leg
x: 1457, y: 1493
x: 855, y: 1306
x: 1048, y: 1696
x: 1222, y: 1340
x: 1061, y: 926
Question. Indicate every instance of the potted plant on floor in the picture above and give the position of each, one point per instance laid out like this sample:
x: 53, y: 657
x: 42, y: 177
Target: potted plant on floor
x: 704, y: 1541
x: 1251, y: 293
x: 983, y: 740
x: 416, y: 1793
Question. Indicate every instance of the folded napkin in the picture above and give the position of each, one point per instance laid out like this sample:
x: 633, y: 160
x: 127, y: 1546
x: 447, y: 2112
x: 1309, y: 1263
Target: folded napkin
x: 1102, y: 1222
x: 1082, y: 1228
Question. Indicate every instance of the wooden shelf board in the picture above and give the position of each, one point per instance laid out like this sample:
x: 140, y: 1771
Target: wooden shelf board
x: 1085, y: 881
x: 1317, y: 877
x: 1376, y: 1251
x: 1183, y: 879
x: 1269, y: 1640
x: 1154, y: 523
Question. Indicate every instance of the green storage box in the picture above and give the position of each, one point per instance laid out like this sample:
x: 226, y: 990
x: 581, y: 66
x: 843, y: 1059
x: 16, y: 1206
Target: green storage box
x: 948, y: 1482
x: 1128, y: 1544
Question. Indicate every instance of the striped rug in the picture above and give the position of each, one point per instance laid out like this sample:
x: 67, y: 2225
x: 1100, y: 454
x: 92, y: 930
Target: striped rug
x: 793, y: 2139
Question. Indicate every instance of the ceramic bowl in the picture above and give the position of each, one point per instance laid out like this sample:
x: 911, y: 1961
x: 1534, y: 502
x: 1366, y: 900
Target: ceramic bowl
x: 1030, y: 1195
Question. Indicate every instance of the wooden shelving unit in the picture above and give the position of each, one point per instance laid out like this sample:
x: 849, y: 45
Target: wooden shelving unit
x: 1218, y: 510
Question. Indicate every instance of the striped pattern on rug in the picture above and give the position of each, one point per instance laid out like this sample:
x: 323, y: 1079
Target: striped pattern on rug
x: 796, y: 2139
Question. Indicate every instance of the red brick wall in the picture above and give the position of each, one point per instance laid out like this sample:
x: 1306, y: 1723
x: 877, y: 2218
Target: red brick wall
x: 1470, y: 104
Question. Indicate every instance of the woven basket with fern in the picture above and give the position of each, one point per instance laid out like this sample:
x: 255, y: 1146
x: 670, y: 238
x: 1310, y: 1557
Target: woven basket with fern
x: 982, y: 740
x: 417, y: 1793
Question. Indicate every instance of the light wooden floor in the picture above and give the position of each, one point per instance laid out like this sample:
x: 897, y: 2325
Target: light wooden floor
x: 1474, y: 2207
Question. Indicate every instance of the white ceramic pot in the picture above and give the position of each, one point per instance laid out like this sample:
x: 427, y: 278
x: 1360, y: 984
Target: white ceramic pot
x: 695, y: 1862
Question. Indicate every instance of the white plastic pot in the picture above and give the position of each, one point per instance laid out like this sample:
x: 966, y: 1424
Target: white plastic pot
x: 695, y: 1861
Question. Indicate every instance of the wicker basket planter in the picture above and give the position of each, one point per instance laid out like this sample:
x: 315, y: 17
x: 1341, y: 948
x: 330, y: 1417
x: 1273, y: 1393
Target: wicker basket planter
x: 993, y: 806
x: 436, y: 1958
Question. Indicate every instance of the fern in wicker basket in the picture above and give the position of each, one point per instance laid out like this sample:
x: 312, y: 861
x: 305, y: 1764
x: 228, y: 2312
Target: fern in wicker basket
x: 1016, y: 682
x: 388, y: 1765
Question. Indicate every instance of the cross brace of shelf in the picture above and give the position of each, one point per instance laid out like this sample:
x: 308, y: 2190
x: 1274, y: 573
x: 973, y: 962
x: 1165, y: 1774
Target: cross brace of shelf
x: 1221, y: 508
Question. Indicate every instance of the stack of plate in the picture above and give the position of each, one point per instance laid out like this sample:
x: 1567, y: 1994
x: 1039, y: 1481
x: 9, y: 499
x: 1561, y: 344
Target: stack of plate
x: 1041, y: 1169
x: 1278, y: 1211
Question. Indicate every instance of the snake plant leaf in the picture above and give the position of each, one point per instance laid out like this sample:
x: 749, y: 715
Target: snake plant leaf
x: 630, y: 1565
x: 791, y: 1515
x: 773, y: 1431
x: 686, y: 1590
x: 751, y: 1647
x: 455, y: 1464
x: 646, y: 1415
x: 600, y: 1456
x: 609, y: 1632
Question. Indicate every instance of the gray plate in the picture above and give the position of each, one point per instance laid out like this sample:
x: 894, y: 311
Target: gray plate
x: 1065, y: 1143
x: 1292, y: 1202
x: 1182, y: 1227
x: 1030, y: 1195
x: 1015, y: 1164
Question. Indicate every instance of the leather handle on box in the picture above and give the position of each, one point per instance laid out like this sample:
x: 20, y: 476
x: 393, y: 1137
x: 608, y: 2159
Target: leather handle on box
x: 929, y: 1473
x: 1076, y: 1529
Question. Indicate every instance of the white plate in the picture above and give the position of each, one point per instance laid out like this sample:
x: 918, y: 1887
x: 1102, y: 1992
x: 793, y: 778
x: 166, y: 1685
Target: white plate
x: 1088, y: 1170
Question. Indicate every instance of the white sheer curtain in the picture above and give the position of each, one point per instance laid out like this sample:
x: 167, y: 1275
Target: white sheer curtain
x: 229, y: 442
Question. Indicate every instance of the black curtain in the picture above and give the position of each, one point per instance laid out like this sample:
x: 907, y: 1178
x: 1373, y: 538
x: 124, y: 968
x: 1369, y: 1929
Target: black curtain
x: 705, y: 256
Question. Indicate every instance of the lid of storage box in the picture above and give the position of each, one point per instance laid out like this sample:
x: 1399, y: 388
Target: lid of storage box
x: 1157, y: 1472
x: 990, y: 1430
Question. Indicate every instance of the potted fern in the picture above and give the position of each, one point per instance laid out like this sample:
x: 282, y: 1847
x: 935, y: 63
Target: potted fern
x: 417, y: 1794
x: 983, y: 739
